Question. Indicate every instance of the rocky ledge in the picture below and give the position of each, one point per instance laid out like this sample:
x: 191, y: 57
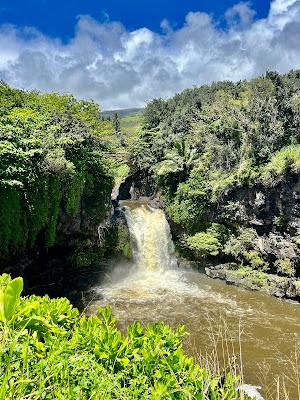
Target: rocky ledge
x: 247, y: 278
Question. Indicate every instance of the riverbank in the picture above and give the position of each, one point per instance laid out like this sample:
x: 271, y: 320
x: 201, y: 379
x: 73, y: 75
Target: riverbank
x: 248, y: 278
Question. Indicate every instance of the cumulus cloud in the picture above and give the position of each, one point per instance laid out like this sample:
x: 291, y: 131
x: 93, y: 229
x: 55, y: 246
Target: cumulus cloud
x: 240, y: 14
x: 121, y: 68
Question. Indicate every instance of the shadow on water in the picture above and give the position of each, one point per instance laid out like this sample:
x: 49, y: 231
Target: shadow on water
x: 49, y: 275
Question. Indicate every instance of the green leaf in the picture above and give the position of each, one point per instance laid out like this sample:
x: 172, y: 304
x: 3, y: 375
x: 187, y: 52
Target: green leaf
x: 10, y: 299
x: 2, y: 315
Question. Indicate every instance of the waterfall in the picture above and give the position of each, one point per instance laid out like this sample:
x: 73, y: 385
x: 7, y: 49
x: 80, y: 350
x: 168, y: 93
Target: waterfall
x: 151, y: 239
x: 152, y: 274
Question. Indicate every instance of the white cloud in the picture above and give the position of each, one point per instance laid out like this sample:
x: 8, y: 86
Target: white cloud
x: 120, y: 68
x: 240, y: 14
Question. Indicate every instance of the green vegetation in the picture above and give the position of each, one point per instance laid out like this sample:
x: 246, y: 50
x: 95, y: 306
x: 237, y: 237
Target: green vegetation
x: 47, y: 351
x: 210, y: 242
x: 238, y: 245
x: 251, y: 275
x: 216, y: 154
x: 122, y: 127
x: 256, y: 261
x: 130, y: 127
x: 285, y: 267
x: 53, y: 164
x: 120, y: 172
x: 284, y: 161
x: 123, y: 245
x: 204, y: 243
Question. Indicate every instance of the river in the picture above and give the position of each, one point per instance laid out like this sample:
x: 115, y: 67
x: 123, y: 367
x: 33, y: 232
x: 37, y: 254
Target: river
x: 227, y: 325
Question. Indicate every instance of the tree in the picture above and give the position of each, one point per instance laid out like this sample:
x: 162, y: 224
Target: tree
x: 180, y: 160
x: 117, y: 129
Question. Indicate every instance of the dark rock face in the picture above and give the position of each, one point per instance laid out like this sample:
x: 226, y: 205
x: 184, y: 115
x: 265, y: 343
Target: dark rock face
x: 267, y: 207
x: 135, y: 187
x: 273, y: 210
x: 124, y: 191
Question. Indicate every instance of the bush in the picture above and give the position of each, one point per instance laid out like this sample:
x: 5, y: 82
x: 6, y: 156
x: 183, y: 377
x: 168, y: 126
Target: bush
x: 285, y: 267
x: 256, y: 261
x: 48, y: 352
x: 204, y: 243
x: 287, y: 159
x: 238, y: 245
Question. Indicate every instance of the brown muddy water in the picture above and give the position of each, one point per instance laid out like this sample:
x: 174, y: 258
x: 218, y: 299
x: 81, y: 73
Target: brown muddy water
x: 220, y: 318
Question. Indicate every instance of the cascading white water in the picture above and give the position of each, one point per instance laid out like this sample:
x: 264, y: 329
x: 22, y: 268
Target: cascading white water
x: 153, y: 274
x: 151, y: 239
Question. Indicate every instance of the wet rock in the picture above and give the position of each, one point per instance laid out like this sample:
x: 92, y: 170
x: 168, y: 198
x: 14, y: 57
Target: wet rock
x: 231, y: 279
x: 156, y: 203
x: 277, y: 286
x: 216, y: 273
x: 293, y: 290
x: 228, y: 266
x: 252, y: 391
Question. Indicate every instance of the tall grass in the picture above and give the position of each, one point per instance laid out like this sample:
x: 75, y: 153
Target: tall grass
x: 224, y: 355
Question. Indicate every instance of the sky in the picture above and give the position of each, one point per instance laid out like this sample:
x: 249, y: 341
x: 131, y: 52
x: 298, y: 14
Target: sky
x: 125, y: 53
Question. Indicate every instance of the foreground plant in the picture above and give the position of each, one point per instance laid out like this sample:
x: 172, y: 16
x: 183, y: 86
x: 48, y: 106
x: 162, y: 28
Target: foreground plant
x: 48, y: 352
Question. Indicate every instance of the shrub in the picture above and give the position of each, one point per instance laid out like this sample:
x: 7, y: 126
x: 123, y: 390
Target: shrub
x: 219, y: 231
x: 256, y: 261
x: 288, y: 158
x: 204, y: 243
x: 285, y: 267
x: 238, y: 245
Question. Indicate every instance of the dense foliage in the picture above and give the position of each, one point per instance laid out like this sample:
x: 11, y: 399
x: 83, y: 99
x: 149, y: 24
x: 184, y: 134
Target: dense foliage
x: 48, y: 352
x: 210, y: 150
x: 53, y: 167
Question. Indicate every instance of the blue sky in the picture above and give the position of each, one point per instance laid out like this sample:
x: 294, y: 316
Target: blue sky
x: 125, y: 53
x: 57, y: 18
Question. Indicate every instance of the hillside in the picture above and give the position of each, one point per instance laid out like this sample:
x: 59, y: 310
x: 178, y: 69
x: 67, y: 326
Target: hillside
x: 122, y: 112
x: 56, y: 176
x: 225, y: 160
